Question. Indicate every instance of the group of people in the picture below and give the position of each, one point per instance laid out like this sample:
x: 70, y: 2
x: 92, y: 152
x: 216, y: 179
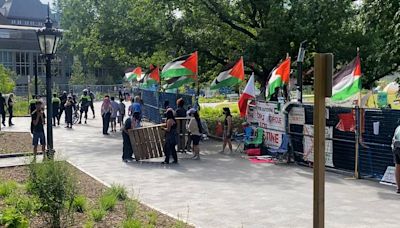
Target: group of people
x: 7, y: 104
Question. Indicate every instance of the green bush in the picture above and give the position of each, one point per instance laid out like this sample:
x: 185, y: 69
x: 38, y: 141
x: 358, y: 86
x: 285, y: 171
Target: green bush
x: 108, y: 201
x: 152, y: 216
x: 21, y: 106
x: 215, y: 99
x: 79, y: 204
x: 98, y: 214
x: 132, y: 223
x: 27, y: 205
x: 89, y: 224
x: 118, y: 191
x: 180, y: 224
x: 130, y: 208
x: 53, y: 183
x: 11, y: 217
x: 214, y: 115
x: 6, y: 188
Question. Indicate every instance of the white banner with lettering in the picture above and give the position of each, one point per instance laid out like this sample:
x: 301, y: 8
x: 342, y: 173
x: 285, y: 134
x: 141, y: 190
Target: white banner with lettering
x: 309, y: 144
x: 297, y: 116
x: 268, y: 119
x: 273, y: 139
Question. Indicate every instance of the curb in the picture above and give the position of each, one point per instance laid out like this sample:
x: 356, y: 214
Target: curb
x: 14, y: 155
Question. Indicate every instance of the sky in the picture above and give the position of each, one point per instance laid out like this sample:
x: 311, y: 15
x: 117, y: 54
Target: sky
x: 46, y: 1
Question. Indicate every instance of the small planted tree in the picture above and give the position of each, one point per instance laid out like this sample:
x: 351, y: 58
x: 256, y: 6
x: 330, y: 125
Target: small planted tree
x: 7, y: 84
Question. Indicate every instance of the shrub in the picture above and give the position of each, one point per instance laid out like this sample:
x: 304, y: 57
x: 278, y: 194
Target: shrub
x: 131, y: 223
x: 27, y: 205
x: 89, y: 224
x: 11, y: 217
x: 53, y: 183
x: 98, y: 214
x: 79, y: 204
x: 118, y: 191
x: 108, y: 202
x: 6, y: 188
x: 130, y: 208
x: 152, y: 218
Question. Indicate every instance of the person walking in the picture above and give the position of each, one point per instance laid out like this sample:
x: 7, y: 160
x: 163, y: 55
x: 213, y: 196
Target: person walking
x: 195, y: 129
x: 227, y: 129
x: 170, y: 137
x: 38, y: 120
x: 63, y: 99
x: 106, y: 110
x: 10, y: 105
x: 56, y: 102
x: 68, y: 107
x: 127, y: 150
x: 3, y: 109
x: 91, y: 102
x: 114, y: 114
x: 85, y: 102
x: 136, y: 107
x: 121, y: 112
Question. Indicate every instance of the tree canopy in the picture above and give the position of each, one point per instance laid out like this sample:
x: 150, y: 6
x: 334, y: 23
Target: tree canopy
x: 117, y: 34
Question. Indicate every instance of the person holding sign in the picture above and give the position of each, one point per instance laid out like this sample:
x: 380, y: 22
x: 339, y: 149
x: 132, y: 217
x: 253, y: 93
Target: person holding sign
x: 396, y: 154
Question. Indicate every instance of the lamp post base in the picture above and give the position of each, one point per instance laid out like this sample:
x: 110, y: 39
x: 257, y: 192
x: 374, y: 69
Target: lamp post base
x: 49, y: 154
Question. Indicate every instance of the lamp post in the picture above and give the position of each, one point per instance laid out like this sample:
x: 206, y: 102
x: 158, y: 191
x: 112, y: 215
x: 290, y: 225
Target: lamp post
x: 48, y: 38
x: 300, y: 60
x: 36, y: 79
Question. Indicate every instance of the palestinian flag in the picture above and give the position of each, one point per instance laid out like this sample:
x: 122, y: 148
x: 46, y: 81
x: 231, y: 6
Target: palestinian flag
x: 182, y: 66
x: 133, y: 74
x: 231, y: 75
x: 152, y: 76
x: 248, y: 93
x: 279, y: 76
x: 177, y: 82
x: 347, y: 82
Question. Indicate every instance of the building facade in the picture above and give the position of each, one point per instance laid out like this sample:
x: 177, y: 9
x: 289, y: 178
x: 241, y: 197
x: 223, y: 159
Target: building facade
x: 19, y: 48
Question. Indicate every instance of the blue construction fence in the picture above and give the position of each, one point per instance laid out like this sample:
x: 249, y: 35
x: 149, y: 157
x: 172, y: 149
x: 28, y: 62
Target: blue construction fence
x: 154, y: 103
x: 375, y: 153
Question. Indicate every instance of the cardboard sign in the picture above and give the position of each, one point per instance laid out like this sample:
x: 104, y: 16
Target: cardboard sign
x: 268, y: 119
x: 273, y: 139
x: 297, y: 116
x: 309, y: 144
x: 389, y: 177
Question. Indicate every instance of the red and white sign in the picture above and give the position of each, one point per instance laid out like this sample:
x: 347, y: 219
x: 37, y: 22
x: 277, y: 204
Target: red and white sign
x: 267, y: 118
x: 273, y: 139
x: 297, y: 116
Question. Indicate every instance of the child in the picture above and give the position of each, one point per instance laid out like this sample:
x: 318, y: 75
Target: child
x: 121, y: 112
x: 69, y: 105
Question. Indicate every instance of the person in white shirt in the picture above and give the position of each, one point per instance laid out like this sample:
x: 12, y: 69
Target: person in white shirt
x: 195, y: 129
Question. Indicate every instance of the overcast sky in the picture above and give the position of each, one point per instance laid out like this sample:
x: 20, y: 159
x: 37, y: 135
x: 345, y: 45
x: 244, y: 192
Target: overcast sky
x: 46, y: 1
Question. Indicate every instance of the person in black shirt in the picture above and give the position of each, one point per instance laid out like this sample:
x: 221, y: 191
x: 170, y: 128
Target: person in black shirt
x: 63, y: 99
x: 10, y: 105
x: 69, y: 107
x: 3, y: 109
x: 85, y: 102
x: 32, y: 104
x: 180, y: 111
x: 38, y: 120
x: 92, y: 97
x: 56, y: 102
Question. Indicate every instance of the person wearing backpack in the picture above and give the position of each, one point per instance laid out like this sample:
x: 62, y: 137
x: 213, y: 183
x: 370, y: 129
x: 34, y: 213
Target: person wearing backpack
x: 196, y: 130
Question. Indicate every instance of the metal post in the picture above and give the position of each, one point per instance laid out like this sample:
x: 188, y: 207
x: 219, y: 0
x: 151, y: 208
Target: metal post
x: 35, y: 71
x: 300, y: 59
x: 50, y: 150
x: 357, y: 141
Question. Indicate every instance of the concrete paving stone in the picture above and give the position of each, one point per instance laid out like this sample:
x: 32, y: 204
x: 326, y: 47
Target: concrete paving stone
x: 224, y: 190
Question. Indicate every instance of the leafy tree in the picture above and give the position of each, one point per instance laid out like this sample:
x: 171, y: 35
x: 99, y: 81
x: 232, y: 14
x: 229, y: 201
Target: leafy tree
x: 77, y: 76
x: 7, y: 84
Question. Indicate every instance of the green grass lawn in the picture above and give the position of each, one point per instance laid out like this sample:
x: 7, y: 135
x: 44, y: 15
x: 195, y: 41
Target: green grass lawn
x: 21, y: 106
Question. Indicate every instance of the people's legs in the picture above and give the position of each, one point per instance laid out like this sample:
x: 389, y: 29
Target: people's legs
x: 174, y: 154
x: 86, y: 111
x: 224, y: 145
x: 92, y: 107
x: 398, y: 176
x: 104, y: 123
x: 10, y: 111
x: 3, y: 117
x: 167, y: 151
x: 107, y: 122
x: 229, y: 144
x: 80, y: 116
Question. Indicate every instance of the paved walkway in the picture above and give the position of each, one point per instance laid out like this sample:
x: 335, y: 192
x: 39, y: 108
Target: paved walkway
x: 226, y: 191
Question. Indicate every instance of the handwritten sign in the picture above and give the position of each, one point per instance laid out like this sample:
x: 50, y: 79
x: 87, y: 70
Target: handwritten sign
x: 273, y: 139
x: 297, y: 116
x: 309, y: 144
x: 268, y: 119
x: 251, y: 114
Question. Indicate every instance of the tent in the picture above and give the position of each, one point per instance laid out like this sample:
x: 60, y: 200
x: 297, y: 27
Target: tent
x: 391, y: 88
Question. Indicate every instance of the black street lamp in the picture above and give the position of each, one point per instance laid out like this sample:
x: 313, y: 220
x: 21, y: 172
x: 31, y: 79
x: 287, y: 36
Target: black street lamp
x: 49, y: 38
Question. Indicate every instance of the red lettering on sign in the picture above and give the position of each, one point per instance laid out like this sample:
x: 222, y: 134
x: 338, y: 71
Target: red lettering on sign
x: 273, y: 137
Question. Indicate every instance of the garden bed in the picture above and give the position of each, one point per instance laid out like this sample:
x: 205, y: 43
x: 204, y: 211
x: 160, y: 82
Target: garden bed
x: 15, y: 142
x: 91, y: 191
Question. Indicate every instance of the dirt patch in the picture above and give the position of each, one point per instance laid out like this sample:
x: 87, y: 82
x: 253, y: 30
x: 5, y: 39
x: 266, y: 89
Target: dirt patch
x: 15, y: 142
x: 92, y: 190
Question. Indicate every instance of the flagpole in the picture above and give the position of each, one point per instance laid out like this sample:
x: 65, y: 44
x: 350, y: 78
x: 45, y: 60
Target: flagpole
x: 358, y: 130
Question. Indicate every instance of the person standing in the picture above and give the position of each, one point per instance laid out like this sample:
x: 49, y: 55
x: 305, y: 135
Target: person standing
x: 92, y: 98
x: 38, y: 120
x: 121, y: 112
x: 10, y: 105
x: 136, y: 107
x: 227, y: 129
x: 68, y: 107
x: 195, y: 129
x: 3, y: 109
x: 120, y: 96
x: 170, y: 137
x: 127, y: 150
x: 63, y: 99
x: 106, y: 114
x: 114, y: 114
x: 32, y: 104
x: 396, y: 156
x: 84, y: 101
x: 56, y: 102
x: 180, y: 111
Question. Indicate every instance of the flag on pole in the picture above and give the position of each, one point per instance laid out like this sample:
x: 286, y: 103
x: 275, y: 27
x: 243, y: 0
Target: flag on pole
x: 280, y: 76
x: 231, y: 75
x: 248, y: 93
x: 177, y: 82
x: 152, y: 76
x: 186, y: 65
x: 133, y: 74
x: 347, y: 82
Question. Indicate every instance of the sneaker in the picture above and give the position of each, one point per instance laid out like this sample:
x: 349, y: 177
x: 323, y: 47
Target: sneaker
x: 85, y: 122
x: 94, y: 116
x: 196, y: 158
x: 80, y: 122
x: 398, y: 191
x: 4, y: 124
